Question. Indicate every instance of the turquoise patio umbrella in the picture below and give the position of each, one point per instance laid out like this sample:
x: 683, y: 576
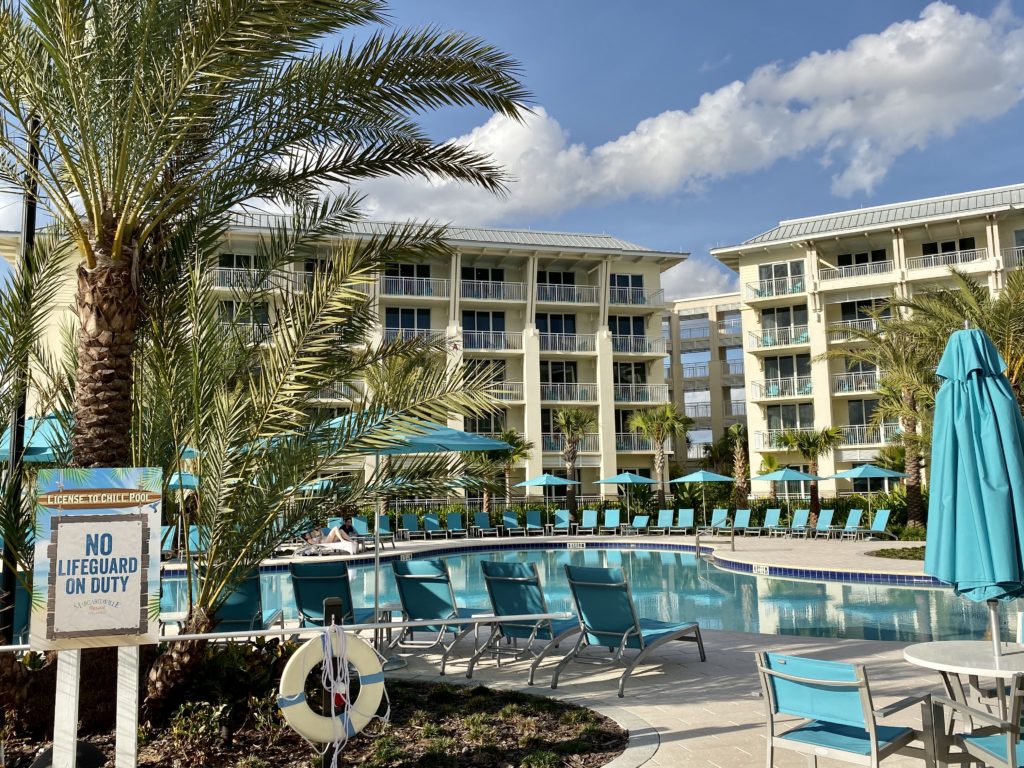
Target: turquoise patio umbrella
x: 868, y: 472
x: 787, y: 475
x: 627, y: 479
x: 546, y: 481
x: 976, y: 500
x: 42, y: 435
x: 183, y: 481
x: 703, y: 476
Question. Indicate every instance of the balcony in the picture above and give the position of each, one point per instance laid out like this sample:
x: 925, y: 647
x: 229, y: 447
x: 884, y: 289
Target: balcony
x: 949, y: 259
x: 508, y: 391
x: 857, y: 270
x: 246, y: 280
x: 568, y: 342
x: 492, y: 341
x: 729, y: 328
x: 554, y: 442
x: 638, y: 345
x: 768, y: 338
x: 781, y: 286
x: 641, y: 393
x: 636, y: 297
x: 303, y: 281
x: 799, y: 386
x: 339, y: 391
x: 568, y: 393
x: 432, y: 335
x: 420, y: 287
x: 566, y: 294
x: 695, y: 371
x: 735, y: 411
x: 631, y: 442
x: 693, y: 337
x: 841, y: 331
x: 251, y: 333
x: 854, y: 383
x: 697, y: 411
x: 732, y: 369
x: 697, y: 450
x: 492, y: 290
x: 869, y: 434
x: 1012, y: 257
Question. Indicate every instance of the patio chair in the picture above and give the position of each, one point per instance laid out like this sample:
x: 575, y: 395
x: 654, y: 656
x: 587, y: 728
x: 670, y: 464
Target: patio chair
x: 608, y: 618
x: 664, y: 524
x: 425, y: 591
x: 989, y: 740
x: 410, y: 528
x: 534, y: 523
x: 772, y: 522
x: 432, y: 527
x: 384, y: 527
x: 514, y: 590
x: 639, y: 525
x: 878, y: 525
x: 798, y: 526
x: 198, y: 539
x: 243, y: 609
x: 562, y: 524
x: 312, y: 583
x: 589, y: 522
x: 852, y: 524
x: 719, y: 522
x: 362, y: 529
x: 684, y: 523
x: 824, y: 525
x: 482, y: 525
x: 741, y: 521
x: 453, y: 522
x: 838, y: 716
x: 510, y: 522
x: 168, y: 545
x: 611, y: 522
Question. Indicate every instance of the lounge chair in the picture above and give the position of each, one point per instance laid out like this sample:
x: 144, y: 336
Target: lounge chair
x: 664, y: 524
x: 988, y: 739
x: 384, y: 526
x: 838, y: 716
x: 198, y: 539
x: 534, y: 523
x: 453, y: 522
x: 482, y: 525
x: 410, y: 528
x: 510, y: 522
x: 243, y: 609
x: 878, y: 525
x: 771, y: 524
x: 608, y: 618
x: 684, y: 523
x: 589, y: 522
x: 432, y: 527
x: 611, y: 522
x: 362, y: 529
x: 824, y: 525
x: 719, y: 522
x: 562, y: 524
x: 425, y: 591
x: 741, y: 521
x: 515, y: 589
x: 852, y: 524
x: 639, y: 525
x: 798, y: 526
x: 312, y: 583
x: 168, y: 545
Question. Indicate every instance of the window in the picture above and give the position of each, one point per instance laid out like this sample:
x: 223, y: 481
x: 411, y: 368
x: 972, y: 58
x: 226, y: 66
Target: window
x: 797, y: 416
x: 626, y: 289
x: 236, y: 311
x: 869, y: 484
x: 864, y: 257
x: 947, y: 246
x: 861, y: 411
x: 407, y: 270
x: 629, y: 373
x: 626, y: 326
x: 406, y: 318
x: 666, y: 328
x: 556, y: 323
x: 497, y: 369
x: 486, y: 423
x: 780, y: 270
x: 642, y: 471
x: 558, y: 372
x: 551, y: 277
x: 787, y: 366
x: 861, y: 310
x: 235, y: 261
x: 859, y: 366
x: 622, y: 417
x: 483, y: 322
x: 784, y: 317
x: 484, y: 274
x: 626, y: 281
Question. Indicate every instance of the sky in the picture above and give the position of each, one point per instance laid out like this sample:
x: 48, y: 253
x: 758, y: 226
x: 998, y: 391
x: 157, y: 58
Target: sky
x: 686, y: 125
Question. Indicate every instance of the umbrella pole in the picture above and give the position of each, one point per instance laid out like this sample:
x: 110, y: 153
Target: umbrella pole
x: 703, y: 506
x: 993, y: 620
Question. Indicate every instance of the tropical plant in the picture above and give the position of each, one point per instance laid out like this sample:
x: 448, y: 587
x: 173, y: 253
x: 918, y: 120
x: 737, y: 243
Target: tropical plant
x: 892, y: 457
x: 769, y: 464
x: 718, y: 456
x: 737, y: 434
x: 573, y: 424
x: 812, y: 446
x: 519, y: 450
x: 659, y: 425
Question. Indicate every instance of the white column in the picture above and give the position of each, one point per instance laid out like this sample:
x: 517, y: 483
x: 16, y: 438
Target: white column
x: 65, y: 710
x: 531, y: 404
x: 606, y: 402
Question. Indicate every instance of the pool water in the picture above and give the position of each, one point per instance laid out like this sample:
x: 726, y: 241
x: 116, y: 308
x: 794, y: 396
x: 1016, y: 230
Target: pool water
x: 674, y: 586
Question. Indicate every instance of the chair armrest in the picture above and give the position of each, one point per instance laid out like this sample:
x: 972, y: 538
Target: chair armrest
x: 976, y: 714
x: 897, y: 706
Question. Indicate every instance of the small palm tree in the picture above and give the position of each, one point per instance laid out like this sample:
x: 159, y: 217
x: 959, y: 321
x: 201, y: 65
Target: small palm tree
x: 573, y: 424
x: 660, y: 425
x: 812, y: 446
x: 519, y: 450
x: 737, y: 433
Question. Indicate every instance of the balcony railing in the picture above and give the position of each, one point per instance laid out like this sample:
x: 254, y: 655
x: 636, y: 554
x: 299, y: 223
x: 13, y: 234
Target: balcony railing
x: 640, y: 345
x: 779, y: 337
x: 569, y: 393
x: 948, y: 259
x: 304, y: 280
x: 846, y: 383
x: 687, y: 332
x: 492, y: 290
x: 737, y: 408
x: 857, y: 270
x: 568, y: 342
x: 840, y: 331
x: 253, y: 333
x: 780, y: 286
x: 406, y: 334
x: 798, y: 386
x: 641, y: 393
x: 768, y: 440
x: 554, y: 442
x: 695, y: 371
x: 632, y: 442
x: 697, y: 410
x: 869, y: 434
x: 697, y: 450
x: 425, y: 287
x: 567, y: 294
x: 1013, y: 257
x: 507, y: 391
x: 636, y: 297
x: 732, y: 368
x: 339, y: 391
x: 730, y: 327
x: 498, y: 341
x: 246, y: 279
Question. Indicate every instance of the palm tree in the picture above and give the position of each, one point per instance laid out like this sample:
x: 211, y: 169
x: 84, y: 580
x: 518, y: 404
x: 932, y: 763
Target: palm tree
x: 718, y: 456
x: 574, y: 424
x: 812, y: 446
x: 519, y: 450
x: 737, y: 433
x: 659, y: 425
x: 158, y: 120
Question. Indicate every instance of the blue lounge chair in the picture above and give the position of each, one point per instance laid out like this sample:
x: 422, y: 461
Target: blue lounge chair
x: 852, y: 525
x: 453, y: 522
x: 432, y: 527
x: 168, y: 545
x: 824, y: 524
x: 243, y: 609
x: 312, y: 583
x: 684, y: 523
x: 198, y: 539
x: 425, y: 591
x: 333, y: 522
x: 798, y: 527
x: 482, y: 525
x: 878, y: 525
x: 838, y: 716
x: 611, y: 522
x: 639, y: 525
x: 664, y: 524
x: 510, y: 524
x: 608, y: 618
x: 589, y: 522
x: 362, y: 529
x: 410, y: 528
x: 563, y: 522
x: 384, y: 526
x: 741, y: 521
x: 771, y: 524
x: 719, y: 522
x: 534, y: 523
x: 515, y: 590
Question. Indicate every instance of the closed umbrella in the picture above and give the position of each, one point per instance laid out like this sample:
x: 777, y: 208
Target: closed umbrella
x: 627, y: 479
x: 976, y: 501
x: 703, y: 476
x: 786, y: 475
x: 867, y: 472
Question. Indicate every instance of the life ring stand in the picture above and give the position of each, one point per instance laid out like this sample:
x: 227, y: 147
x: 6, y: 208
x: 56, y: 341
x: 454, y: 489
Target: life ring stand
x: 353, y: 716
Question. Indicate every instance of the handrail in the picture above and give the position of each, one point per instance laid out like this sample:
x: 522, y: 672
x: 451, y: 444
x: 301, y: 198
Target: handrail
x: 492, y: 290
x: 947, y: 259
x: 856, y: 270
x: 566, y: 294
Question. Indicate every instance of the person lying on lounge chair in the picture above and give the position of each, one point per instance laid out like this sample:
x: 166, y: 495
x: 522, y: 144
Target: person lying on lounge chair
x: 336, y: 536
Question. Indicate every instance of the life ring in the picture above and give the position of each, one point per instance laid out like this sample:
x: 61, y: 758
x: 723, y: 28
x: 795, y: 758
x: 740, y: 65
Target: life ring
x: 352, y: 718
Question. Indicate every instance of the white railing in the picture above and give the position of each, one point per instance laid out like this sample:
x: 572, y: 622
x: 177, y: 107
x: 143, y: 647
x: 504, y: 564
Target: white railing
x: 569, y: 393
x: 781, y: 286
x: 846, y: 383
x: 636, y: 297
x: 492, y: 290
x: 641, y: 393
x: 857, y: 270
x: 695, y: 371
x: 567, y: 294
x: 730, y: 327
x: 246, y: 279
x: 632, y: 442
x: 425, y: 287
x: 950, y: 258
x: 697, y: 450
x: 697, y: 410
x: 732, y: 367
x: 406, y: 334
x: 869, y: 434
x: 840, y: 331
x: 253, y: 333
x: 304, y: 280
x: 568, y: 342
x: 508, y: 390
x: 640, y: 345
x: 768, y: 440
x: 492, y: 340
x: 339, y: 391
x: 778, y: 337
x: 797, y: 386
x: 737, y: 408
x: 1013, y: 257
x: 554, y: 442
x: 694, y: 332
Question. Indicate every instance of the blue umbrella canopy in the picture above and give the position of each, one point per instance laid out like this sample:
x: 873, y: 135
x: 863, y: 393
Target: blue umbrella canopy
x: 867, y: 472
x: 976, y: 500
x: 703, y: 476
x: 42, y: 435
x: 786, y: 475
x: 627, y: 478
x: 183, y: 481
x: 435, y: 438
x: 546, y: 480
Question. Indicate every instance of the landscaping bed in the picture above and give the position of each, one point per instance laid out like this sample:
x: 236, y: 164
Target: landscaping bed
x: 900, y: 553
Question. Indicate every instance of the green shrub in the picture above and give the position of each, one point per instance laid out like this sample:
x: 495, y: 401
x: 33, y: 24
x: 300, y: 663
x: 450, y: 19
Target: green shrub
x: 196, y: 731
x: 541, y: 760
x: 440, y: 753
x: 252, y: 761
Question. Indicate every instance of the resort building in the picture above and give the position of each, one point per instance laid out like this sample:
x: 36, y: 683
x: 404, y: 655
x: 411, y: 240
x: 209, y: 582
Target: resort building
x: 704, y: 368
x: 807, y: 282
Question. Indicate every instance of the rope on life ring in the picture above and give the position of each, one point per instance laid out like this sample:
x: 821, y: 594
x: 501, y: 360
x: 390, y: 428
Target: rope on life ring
x: 351, y: 716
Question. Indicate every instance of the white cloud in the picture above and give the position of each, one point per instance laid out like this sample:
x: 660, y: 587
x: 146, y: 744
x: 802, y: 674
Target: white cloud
x: 858, y: 109
x: 699, y: 275
x: 10, y: 212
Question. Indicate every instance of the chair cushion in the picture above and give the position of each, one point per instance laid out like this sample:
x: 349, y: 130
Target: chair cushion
x: 994, y: 744
x: 843, y: 738
x: 653, y: 630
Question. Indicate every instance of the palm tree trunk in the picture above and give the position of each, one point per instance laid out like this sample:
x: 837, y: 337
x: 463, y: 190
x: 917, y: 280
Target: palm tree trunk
x: 108, y: 310
x: 741, y: 484
x: 174, y: 667
x: 659, y: 472
x: 815, y: 503
x: 569, y: 455
x: 487, y: 502
x: 508, y: 485
x: 912, y: 465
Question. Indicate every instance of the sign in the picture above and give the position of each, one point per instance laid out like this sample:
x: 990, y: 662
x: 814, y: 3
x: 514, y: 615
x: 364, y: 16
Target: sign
x: 96, y: 576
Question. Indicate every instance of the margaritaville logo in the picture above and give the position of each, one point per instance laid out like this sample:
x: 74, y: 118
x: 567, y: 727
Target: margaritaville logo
x: 97, y: 498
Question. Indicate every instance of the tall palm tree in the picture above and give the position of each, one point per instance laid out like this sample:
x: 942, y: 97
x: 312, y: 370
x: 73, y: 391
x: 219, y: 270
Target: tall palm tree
x: 812, y: 446
x: 519, y: 450
x: 573, y: 424
x: 159, y: 119
x: 659, y: 425
x: 718, y: 456
x: 737, y: 434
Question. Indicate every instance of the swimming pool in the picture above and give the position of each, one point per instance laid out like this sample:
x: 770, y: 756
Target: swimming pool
x: 674, y: 585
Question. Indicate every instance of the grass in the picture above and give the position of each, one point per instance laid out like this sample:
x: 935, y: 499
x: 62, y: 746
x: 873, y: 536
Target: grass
x: 900, y: 553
